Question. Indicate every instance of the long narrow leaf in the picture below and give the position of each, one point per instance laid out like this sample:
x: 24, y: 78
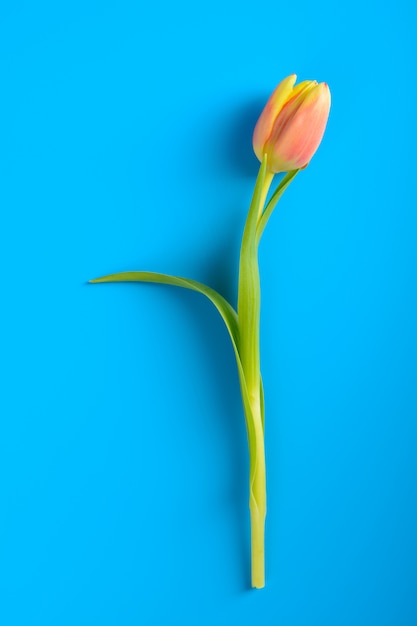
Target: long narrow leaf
x: 229, y: 317
x: 262, y: 401
x: 225, y: 309
x: 288, y: 178
x: 249, y: 284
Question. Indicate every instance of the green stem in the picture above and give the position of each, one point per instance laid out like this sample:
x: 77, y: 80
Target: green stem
x: 257, y: 520
x: 249, y: 304
x: 257, y: 503
x: 249, y: 285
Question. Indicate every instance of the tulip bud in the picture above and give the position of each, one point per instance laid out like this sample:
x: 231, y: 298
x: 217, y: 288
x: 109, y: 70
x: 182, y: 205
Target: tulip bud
x: 292, y: 124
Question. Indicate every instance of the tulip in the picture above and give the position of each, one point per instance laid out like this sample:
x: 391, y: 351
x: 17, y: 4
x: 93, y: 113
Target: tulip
x: 286, y: 136
x: 292, y: 124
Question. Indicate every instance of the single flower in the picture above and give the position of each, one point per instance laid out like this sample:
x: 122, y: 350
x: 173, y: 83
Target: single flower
x: 286, y: 136
x: 292, y: 124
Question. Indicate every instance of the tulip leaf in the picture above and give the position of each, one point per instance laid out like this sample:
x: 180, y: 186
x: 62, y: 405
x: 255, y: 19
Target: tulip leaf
x: 249, y: 321
x: 228, y: 315
x: 225, y: 309
x: 263, y: 220
x: 262, y: 398
x: 249, y: 282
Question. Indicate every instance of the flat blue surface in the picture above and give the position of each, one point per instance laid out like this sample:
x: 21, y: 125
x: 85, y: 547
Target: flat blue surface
x: 125, y: 143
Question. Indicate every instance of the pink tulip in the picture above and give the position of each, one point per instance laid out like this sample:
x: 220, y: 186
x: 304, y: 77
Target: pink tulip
x: 292, y: 124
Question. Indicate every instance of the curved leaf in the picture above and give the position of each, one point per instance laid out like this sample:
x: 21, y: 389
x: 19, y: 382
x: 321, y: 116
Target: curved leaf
x: 262, y: 402
x: 225, y: 309
x: 263, y: 220
x: 229, y: 317
x: 249, y: 281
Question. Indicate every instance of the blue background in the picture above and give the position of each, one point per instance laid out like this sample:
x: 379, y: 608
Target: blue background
x: 125, y: 143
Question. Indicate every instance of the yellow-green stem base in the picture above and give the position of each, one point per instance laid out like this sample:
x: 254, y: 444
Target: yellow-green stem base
x: 258, y: 548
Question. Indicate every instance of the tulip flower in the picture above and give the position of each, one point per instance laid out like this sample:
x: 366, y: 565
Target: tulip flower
x: 286, y: 136
x: 292, y: 124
